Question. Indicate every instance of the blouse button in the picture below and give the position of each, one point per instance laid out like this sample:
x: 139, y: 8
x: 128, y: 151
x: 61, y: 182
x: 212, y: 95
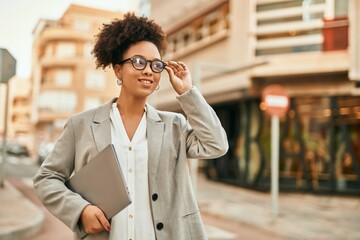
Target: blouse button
x: 130, y: 149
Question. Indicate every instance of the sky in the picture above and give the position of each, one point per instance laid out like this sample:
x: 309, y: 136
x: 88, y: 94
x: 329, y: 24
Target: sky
x: 19, y: 17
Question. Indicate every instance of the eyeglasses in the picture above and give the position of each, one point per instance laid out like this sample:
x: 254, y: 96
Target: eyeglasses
x: 140, y: 63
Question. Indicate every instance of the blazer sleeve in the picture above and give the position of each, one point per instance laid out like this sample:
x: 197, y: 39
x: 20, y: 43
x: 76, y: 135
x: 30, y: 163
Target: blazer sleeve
x: 205, y: 137
x: 49, y: 182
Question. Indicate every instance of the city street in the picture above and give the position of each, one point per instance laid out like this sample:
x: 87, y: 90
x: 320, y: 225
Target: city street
x: 22, y: 167
x: 20, y: 172
x: 269, y: 91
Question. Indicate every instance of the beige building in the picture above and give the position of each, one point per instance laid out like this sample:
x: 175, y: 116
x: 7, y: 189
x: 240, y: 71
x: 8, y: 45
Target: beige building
x: 64, y: 76
x: 20, y: 128
x: 2, y: 108
x: 235, y: 48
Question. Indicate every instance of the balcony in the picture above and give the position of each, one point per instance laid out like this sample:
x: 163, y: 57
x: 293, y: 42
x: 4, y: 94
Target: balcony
x: 51, y: 61
x: 294, y: 28
x: 65, y: 34
x: 209, y: 26
x: 304, y: 63
x: 21, y: 127
x: 47, y: 116
x: 22, y: 109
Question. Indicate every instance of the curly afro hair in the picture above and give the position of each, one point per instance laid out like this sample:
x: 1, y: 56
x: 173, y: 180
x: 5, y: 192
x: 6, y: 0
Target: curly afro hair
x: 115, y: 38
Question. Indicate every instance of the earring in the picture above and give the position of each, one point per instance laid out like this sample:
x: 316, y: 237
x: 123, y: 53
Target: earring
x: 158, y: 87
x: 119, y: 81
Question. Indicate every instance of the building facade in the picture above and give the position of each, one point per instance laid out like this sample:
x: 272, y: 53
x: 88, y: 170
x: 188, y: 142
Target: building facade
x: 237, y: 48
x: 64, y: 76
x: 20, y: 128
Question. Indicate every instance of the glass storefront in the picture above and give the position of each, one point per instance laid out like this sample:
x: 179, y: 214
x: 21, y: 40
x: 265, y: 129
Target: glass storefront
x: 319, y: 145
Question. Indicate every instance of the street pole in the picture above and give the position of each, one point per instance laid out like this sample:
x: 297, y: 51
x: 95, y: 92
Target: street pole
x: 276, y: 101
x: 7, y: 71
x: 275, y: 129
x: 4, y: 142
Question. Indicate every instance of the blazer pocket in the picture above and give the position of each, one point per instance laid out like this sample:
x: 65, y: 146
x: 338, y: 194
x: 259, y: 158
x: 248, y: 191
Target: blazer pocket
x: 190, y: 215
x: 194, y: 225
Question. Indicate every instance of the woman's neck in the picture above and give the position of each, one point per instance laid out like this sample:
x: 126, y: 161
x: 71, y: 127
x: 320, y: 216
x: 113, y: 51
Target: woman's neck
x: 130, y: 106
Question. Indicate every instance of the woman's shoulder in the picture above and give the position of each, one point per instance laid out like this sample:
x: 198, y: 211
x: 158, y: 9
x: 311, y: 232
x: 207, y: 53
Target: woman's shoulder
x: 84, y: 114
x: 168, y: 116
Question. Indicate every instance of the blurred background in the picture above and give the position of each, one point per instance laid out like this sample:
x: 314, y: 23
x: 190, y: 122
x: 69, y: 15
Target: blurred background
x: 234, y: 49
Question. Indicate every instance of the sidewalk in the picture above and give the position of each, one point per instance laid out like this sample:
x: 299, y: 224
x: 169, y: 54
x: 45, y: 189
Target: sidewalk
x: 301, y: 216
x: 19, y: 217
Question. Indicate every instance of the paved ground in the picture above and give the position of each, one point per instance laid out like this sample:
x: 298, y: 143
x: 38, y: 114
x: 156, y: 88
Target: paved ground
x: 51, y: 228
x: 228, y: 212
x: 18, y: 216
x: 301, y: 216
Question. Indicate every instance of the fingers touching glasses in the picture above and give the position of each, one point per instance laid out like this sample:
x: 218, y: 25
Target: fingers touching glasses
x: 177, y: 66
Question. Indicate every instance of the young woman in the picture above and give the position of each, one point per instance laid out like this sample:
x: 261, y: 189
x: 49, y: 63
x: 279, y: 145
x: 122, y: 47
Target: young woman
x: 152, y: 146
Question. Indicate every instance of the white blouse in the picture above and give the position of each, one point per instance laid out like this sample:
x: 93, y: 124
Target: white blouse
x: 135, y: 221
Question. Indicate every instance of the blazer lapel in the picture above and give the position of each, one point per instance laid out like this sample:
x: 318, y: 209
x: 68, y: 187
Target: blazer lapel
x: 101, y: 127
x: 155, y: 133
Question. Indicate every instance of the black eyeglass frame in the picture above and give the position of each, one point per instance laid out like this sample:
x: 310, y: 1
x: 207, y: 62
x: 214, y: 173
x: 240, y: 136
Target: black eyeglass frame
x: 151, y: 63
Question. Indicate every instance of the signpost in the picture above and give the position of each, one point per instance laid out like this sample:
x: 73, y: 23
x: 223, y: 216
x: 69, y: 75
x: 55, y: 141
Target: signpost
x: 7, y: 71
x: 276, y: 102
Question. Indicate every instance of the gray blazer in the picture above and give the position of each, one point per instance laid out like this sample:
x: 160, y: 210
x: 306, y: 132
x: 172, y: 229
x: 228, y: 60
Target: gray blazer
x: 171, y: 141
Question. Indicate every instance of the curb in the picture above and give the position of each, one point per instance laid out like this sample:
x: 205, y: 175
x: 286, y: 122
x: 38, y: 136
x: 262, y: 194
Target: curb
x: 19, y: 218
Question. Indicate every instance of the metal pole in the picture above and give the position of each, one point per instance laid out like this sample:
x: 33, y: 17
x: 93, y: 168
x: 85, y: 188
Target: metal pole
x: 275, y: 166
x: 4, y: 144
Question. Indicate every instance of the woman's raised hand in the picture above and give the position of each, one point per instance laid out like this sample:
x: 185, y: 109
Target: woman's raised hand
x: 180, y: 76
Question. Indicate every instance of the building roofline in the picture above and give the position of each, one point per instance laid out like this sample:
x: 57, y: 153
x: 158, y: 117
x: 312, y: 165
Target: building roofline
x: 89, y: 10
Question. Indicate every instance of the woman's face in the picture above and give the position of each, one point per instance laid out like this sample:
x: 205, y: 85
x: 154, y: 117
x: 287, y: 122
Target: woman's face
x: 139, y: 83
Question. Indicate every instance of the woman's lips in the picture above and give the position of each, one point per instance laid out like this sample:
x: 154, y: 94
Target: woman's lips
x: 146, y: 81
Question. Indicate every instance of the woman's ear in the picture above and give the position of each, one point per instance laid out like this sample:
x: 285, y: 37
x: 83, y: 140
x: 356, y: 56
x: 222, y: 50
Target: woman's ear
x: 118, y: 70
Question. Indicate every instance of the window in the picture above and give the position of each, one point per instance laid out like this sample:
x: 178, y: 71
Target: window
x: 48, y: 49
x: 319, y: 145
x: 91, y: 103
x: 65, y: 50
x: 46, y: 77
x: 82, y: 25
x: 95, y: 80
x: 88, y: 47
x: 57, y: 101
x: 202, y: 31
x: 59, y: 123
x: 341, y: 8
x: 63, y: 77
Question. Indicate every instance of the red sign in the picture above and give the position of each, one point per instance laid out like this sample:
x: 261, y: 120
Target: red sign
x: 276, y: 100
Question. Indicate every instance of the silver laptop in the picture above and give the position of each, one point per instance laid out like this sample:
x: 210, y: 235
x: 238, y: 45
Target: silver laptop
x: 102, y: 183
